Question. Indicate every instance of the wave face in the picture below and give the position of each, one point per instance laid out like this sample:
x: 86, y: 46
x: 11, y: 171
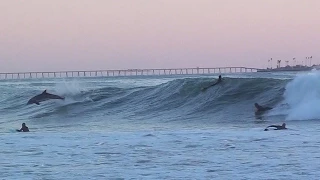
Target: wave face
x: 97, y: 101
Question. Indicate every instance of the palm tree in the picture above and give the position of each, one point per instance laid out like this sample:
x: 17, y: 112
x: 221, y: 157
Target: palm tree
x: 279, y: 62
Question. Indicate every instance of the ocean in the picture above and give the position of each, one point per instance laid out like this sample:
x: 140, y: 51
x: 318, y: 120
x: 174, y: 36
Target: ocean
x: 162, y: 127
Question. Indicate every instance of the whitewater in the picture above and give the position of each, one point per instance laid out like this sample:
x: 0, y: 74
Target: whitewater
x: 162, y: 127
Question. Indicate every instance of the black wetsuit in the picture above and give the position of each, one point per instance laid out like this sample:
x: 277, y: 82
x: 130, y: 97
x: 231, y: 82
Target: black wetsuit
x: 24, y: 129
x: 278, y: 127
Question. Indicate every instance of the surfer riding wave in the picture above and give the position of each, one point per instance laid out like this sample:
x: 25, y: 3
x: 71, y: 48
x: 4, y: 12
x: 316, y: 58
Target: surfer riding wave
x: 218, y: 82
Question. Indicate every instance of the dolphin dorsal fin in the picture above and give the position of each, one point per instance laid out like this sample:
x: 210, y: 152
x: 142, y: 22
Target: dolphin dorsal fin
x: 44, y: 92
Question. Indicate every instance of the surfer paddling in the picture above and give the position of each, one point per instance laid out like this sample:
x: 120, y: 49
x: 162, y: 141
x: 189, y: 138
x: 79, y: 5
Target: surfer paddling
x: 277, y: 127
x: 218, y: 81
x: 24, y: 128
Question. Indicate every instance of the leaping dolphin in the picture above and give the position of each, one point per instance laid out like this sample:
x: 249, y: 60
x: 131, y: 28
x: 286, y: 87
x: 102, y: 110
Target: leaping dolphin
x: 43, y: 97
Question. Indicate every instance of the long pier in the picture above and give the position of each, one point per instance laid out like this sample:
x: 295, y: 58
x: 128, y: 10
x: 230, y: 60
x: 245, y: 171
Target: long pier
x: 128, y: 72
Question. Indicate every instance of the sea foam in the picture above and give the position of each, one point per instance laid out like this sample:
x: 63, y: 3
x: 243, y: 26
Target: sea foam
x: 302, y: 95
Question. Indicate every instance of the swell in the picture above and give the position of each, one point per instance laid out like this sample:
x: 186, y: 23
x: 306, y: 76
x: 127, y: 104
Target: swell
x: 176, y: 100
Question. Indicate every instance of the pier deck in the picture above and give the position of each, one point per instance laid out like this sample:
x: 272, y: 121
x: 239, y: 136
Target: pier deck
x: 128, y: 72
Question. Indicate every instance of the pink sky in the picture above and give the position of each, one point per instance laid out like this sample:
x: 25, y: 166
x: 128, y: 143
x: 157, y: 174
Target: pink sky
x: 43, y: 35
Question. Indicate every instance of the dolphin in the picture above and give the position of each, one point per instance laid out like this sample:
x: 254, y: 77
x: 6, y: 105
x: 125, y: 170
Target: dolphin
x: 43, y: 97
